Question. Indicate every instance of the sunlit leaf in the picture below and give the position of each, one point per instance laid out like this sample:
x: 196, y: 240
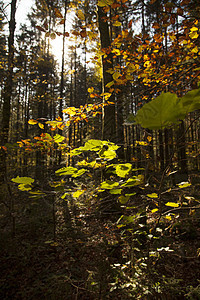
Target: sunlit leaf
x: 184, y: 185
x: 41, y: 125
x: 78, y: 193
x: 109, y: 185
x: 115, y: 191
x: 58, y: 138
x: 58, y: 14
x: 32, y: 122
x: 23, y: 180
x: 79, y: 173
x: 80, y: 15
x: 154, y: 210
x: 66, y: 171
x: 172, y: 204
x: 123, y: 169
x: 153, y: 195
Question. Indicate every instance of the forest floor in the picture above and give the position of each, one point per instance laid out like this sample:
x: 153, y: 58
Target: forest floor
x: 84, y: 257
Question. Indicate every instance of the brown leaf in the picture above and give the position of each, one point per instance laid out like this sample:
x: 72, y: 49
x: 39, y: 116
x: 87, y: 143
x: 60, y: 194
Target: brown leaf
x: 58, y: 13
x: 40, y: 28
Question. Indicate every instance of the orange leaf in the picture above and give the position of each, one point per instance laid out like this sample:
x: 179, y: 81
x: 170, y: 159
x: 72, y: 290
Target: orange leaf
x: 58, y: 13
x: 32, y: 122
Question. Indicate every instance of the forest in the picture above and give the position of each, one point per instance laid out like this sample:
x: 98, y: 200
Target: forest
x: 100, y: 150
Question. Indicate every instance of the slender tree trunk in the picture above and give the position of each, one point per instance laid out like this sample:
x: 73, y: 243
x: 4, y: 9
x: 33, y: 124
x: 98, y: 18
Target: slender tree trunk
x: 109, y: 117
x: 7, y: 93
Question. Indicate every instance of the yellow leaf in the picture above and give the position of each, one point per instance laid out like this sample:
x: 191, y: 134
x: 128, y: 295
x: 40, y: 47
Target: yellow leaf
x: 80, y: 15
x: 149, y: 138
x: 154, y: 210
x: 116, y: 75
x: 32, y: 122
x: 168, y: 218
x: 90, y: 90
x: 117, y: 23
x: 194, y: 29
x: 78, y: 193
x: 172, y: 204
x: 41, y: 125
x: 193, y: 35
x: 153, y: 195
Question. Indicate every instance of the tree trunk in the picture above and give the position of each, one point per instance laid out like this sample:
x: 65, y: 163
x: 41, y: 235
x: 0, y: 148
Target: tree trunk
x: 109, y: 118
x: 7, y: 93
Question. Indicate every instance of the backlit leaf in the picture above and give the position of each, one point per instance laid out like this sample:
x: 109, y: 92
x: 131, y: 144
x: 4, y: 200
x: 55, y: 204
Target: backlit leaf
x: 109, y: 185
x: 23, y: 180
x: 172, y: 204
x: 153, y: 195
x: 78, y: 193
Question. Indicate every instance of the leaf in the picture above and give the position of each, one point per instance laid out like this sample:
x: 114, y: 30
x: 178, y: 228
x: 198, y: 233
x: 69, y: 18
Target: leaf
x: 78, y: 193
x: 32, y: 122
x: 184, y: 185
x: 58, y: 14
x: 191, y: 101
x: 102, y: 3
x: 93, y: 145
x: 123, y: 199
x: 41, y: 125
x: 117, y: 23
x: 107, y: 154
x: 115, y: 191
x: 58, y: 138
x: 153, y: 195
x: 130, y: 195
x: 160, y: 112
x: 109, y: 185
x: 154, y: 210
x: 53, y: 36
x: 80, y: 15
x: 23, y: 180
x: 172, y: 204
x: 64, y: 195
x: 136, y: 180
x: 79, y: 173
x: 66, y: 171
x: 24, y: 187
x: 40, y: 28
x: 123, y: 169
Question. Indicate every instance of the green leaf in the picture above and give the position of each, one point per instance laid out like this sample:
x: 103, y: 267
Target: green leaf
x: 161, y: 112
x: 107, y: 154
x: 123, y: 199
x: 129, y: 195
x: 172, y: 204
x: 191, y: 101
x: 93, y: 145
x: 115, y: 191
x: 79, y: 173
x: 109, y: 185
x: 133, y: 181
x: 66, y: 171
x: 123, y: 169
x: 23, y: 180
x: 58, y: 138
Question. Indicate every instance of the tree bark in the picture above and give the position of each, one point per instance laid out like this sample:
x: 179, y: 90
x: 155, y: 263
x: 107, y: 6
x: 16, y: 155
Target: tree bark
x: 109, y: 116
x: 7, y: 93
